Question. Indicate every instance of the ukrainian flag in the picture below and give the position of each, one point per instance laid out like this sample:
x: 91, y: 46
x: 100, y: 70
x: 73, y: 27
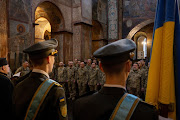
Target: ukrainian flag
x: 161, y: 78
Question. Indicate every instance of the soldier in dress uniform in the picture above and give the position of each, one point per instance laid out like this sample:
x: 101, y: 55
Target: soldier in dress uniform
x: 134, y: 81
x: 6, y: 90
x: 62, y: 75
x: 71, y: 77
x: 24, y: 69
x: 38, y: 97
x: 112, y: 101
x: 82, y: 79
x: 93, y: 77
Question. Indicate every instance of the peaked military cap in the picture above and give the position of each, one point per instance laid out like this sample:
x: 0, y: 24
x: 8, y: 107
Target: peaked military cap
x: 42, y: 49
x: 116, y: 52
x: 3, y: 62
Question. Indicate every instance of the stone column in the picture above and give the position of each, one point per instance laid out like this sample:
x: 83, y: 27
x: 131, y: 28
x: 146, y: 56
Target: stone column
x: 3, y: 29
x: 82, y: 29
x: 65, y: 47
x: 114, y: 20
x: 82, y: 41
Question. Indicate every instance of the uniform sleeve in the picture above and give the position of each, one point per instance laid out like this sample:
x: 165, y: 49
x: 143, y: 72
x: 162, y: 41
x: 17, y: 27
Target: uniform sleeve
x: 145, y: 111
x: 88, y: 75
x: 99, y: 76
x: 61, y: 104
x: 6, y: 100
x: 18, y: 70
x: 76, y: 74
x: 65, y: 74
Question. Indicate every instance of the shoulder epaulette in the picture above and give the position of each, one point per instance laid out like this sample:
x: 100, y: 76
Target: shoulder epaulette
x: 57, y: 84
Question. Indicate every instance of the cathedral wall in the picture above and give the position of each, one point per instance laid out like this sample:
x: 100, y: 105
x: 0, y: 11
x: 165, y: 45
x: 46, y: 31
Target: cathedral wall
x: 3, y: 29
x: 136, y: 12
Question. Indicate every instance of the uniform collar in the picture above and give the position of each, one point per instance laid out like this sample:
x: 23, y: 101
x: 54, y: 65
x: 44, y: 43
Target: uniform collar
x: 112, y: 90
x: 113, y: 85
x: 40, y: 71
x: 4, y: 74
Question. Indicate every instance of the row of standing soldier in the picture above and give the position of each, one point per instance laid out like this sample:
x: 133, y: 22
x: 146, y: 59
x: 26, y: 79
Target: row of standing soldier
x: 78, y: 78
x: 137, y: 79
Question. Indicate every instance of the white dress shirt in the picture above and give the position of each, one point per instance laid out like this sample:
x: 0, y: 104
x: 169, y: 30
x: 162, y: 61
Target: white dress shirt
x: 40, y: 71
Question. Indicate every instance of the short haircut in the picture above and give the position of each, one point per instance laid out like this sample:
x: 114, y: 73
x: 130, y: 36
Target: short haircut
x: 113, y: 68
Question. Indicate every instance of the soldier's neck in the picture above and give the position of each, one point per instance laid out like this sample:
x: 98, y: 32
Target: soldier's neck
x: 116, y: 79
x: 44, y: 68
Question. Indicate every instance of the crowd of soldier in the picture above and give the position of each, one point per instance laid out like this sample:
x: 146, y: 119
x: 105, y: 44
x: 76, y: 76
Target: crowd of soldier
x: 77, y: 78
x: 137, y: 79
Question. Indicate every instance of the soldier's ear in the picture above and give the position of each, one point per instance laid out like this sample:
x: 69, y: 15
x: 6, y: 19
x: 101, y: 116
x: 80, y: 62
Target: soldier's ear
x: 47, y: 59
x: 128, y: 65
x: 101, y: 68
x: 3, y: 68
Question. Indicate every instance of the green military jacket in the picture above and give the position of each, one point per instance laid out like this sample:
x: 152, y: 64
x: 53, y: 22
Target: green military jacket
x: 88, y: 67
x: 83, y: 76
x: 52, y: 108
x: 22, y: 70
x: 62, y: 74
x: 134, y: 79
x: 71, y: 74
x: 144, y: 74
x: 101, y: 77
x: 93, y: 76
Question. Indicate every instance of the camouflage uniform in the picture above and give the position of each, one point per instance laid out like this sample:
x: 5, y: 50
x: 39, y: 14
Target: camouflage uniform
x: 88, y: 67
x: 62, y: 76
x: 145, y: 81
x: 23, y: 70
x: 82, y: 80
x: 134, y: 82
x: 71, y: 77
x: 76, y: 65
x: 101, y: 79
x: 93, y: 79
x: 144, y: 75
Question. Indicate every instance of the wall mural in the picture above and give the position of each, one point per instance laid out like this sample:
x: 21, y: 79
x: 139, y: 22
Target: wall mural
x: 20, y: 32
x: 112, y: 19
x: 135, y: 12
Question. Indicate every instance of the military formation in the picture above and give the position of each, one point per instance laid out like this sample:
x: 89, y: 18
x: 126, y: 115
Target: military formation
x: 38, y: 90
x: 79, y: 78
x: 137, y: 79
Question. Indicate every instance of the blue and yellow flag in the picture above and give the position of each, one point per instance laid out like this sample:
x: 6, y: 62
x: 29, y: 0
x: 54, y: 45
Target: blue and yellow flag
x: 161, y: 79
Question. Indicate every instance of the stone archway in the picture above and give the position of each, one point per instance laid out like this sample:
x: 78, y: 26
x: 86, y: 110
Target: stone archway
x: 143, y: 29
x: 42, y: 30
x: 49, y: 11
x: 139, y: 27
x: 97, y: 36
